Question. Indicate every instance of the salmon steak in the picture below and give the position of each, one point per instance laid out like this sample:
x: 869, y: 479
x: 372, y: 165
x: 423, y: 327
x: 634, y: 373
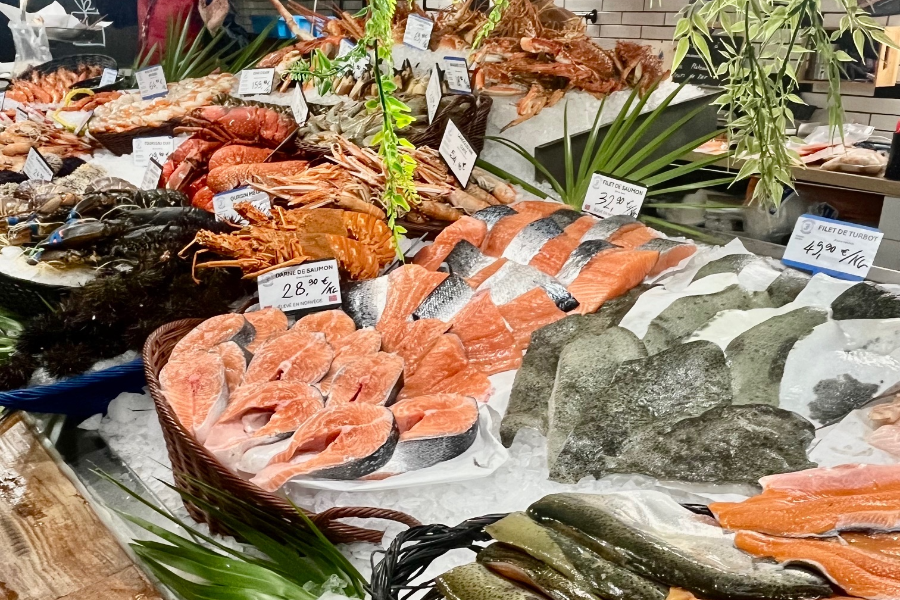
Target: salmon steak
x: 214, y: 331
x: 373, y: 379
x: 268, y: 323
x: 235, y: 360
x: 335, y: 324
x: 609, y: 275
x: 194, y: 384
x: 466, y: 228
x: 347, y: 441
x: 432, y: 429
x: 869, y: 568
x: 445, y: 358
x: 360, y: 343
x: 296, y: 356
x: 489, y: 344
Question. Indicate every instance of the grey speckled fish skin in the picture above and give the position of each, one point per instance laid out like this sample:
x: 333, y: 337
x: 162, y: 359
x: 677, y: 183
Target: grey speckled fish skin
x: 530, y: 239
x: 787, y: 287
x: 757, y: 356
x: 688, y: 314
x: 528, y: 401
x: 866, y: 301
x: 678, y: 383
x: 581, y: 566
x: 492, y: 214
x: 733, y: 263
x: 466, y: 259
x: 581, y: 256
x: 565, y: 217
x: 838, y: 397
x: 729, y: 444
x: 447, y: 299
x: 604, y: 228
x: 364, y: 301
x: 513, y: 279
x: 586, y: 368
x: 477, y: 582
x: 651, y: 535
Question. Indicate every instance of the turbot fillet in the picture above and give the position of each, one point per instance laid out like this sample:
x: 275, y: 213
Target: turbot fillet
x: 372, y: 379
x: 476, y: 582
x: 652, y: 535
x: 214, y: 331
x: 347, y: 441
x: 296, y: 356
x: 195, y: 386
x: 335, y: 324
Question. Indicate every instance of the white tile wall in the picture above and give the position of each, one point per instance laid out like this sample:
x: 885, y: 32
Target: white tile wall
x: 620, y: 31
x: 643, y: 18
x: 657, y: 33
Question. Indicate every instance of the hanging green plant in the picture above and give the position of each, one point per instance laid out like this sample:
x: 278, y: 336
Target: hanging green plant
x: 493, y: 19
x: 759, y: 78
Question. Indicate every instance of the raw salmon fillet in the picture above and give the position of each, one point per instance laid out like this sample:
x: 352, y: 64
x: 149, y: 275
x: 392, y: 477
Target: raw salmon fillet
x: 407, y: 287
x: 633, y: 237
x: 840, y: 479
x: 528, y: 313
x: 609, y: 275
x: 469, y: 382
x: 490, y: 346
x: 861, y: 572
x: 346, y: 441
x: 335, y: 324
x: 446, y: 358
x: 373, y: 379
x: 885, y: 414
x: 194, y: 384
x: 466, y: 228
x: 235, y: 362
x: 670, y: 253
x: 214, y: 331
x: 418, y: 339
x: 268, y: 323
x: 481, y: 276
x: 505, y: 230
x: 538, y: 207
x: 349, y: 348
x: 887, y: 438
x: 580, y: 227
x: 552, y: 255
x: 296, y: 356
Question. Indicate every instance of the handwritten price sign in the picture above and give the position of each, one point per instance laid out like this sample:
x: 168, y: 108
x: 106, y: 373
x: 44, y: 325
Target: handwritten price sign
x: 608, y: 197
x: 310, y: 286
x: 840, y: 249
x: 458, y: 153
x: 152, y: 82
x: 152, y: 148
x: 456, y: 74
x: 418, y: 32
x: 256, y: 81
x: 223, y: 204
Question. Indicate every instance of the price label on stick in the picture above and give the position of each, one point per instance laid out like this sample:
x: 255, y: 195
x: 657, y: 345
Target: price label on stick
x: 151, y: 175
x: 152, y: 82
x: 840, y: 249
x: 36, y: 167
x: 345, y: 47
x: 418, y: 31
x: 456, y: 74
x: 108, y: 77
x: 2, y: 99
x: 608, y: 197
x: 310, y: 286
x: 83, y: 126
x: 224, y: 202
x: 458, y: 153
x: 256, y: 81
x: 155, y: 148
x: 433, y: 93
x: 21, y: 115
x: 299, y: 106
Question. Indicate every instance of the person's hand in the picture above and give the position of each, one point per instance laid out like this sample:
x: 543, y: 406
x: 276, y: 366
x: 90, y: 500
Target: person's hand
x: 213, y: 13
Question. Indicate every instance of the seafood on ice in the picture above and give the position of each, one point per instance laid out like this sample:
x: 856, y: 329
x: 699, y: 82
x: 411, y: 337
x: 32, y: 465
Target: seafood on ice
x: 34, y: 87
x: 17, y: 139
x: 318, y: 399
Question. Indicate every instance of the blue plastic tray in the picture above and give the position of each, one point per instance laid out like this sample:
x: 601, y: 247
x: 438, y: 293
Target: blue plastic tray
x: 82, y: 395
x: 260, y: 22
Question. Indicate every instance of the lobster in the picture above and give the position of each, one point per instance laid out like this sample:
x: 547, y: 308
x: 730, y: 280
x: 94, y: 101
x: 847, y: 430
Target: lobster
x: 244, y: 124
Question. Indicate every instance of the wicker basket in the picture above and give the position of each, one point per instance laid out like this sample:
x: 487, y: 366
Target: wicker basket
x: 119, y: 143
x: 70, y: 62
x: 472, y: 121
x: 29, y: 298
x: 191, y: 460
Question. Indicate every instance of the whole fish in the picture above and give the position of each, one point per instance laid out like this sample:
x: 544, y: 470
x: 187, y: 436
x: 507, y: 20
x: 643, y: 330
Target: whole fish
x: 652, y: 535
x: 476, y: 582
x: 518, y: 566
x: 530, y: 239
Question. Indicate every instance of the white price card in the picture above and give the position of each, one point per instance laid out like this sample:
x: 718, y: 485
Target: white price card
x: 255, y: 81
x: 299, y: 106
x: 2, y: 99
x: 108, y: 77
x: 152, y: 82
x: 151, y: 176
x: 82, y: 127
x: 223, y: 204
x: 310, y: 286
x: 433, y: 93
x: 36, y: 167
x: 345, y: 47
x: 21, y: 115
x: 418, y: 31
x: 458, y: 153
x: 836, y: 248
x: 608, y: 197
x: 156, y: 148
x: 456, y: 74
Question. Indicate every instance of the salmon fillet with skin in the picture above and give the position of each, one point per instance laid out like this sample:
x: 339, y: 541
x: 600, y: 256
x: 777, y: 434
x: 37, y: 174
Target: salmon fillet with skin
x: 335, y: 324
x: 670, y: 253
x: 296, y: 355
x: 444, y: 359
x: 538, y: 207
x: 633, y: 238
x: 407, y: 287
x: 466, y: 228
x: 268, y: 323
x: 580, y: 227
x: 887, y: 438
x: 490, y: 346
x: 373, y: 379
x: 481, y: 276
x: 349, y: 348
x: 194, y: 384
x: 420, y: 336
x: 843, y: 479
x: 528, y: 313
x: 505, y: 230
x: 469, y: 382
x: 864, y: 573
x: 553, y: 254
x: 609, y: 275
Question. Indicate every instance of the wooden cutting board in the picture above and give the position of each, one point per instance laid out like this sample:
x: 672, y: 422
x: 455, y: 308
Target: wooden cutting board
x: 52, y: 545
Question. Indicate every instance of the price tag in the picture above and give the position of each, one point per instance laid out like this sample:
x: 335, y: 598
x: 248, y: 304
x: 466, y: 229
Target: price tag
x: 299, y: 106
x: 312, y: 285
x: 36, y: 167
x: 2, y: 99
x: 151, y: 175
x: 83, y: 125
x: 156, y: 148
x: 108, y: 77
x: 21, y: 115
x: 256, y: 81
x: 418, y: 31
x: 608, y: 197
x: 456, y: 74
x: 223, y: 204
x: 458, y: 153
x: 433, y: 93
x: 345, y: 47
x: 152, y: 82
x: 840, y: 249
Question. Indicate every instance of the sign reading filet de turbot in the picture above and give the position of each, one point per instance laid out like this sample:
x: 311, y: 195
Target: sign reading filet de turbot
x: 836, y: 248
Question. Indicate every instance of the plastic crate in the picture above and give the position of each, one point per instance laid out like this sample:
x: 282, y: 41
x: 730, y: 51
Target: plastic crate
x: 260, y: 22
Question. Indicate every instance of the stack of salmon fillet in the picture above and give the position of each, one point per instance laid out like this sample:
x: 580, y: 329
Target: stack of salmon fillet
x: 838, y: 520
x: 318, y: 399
